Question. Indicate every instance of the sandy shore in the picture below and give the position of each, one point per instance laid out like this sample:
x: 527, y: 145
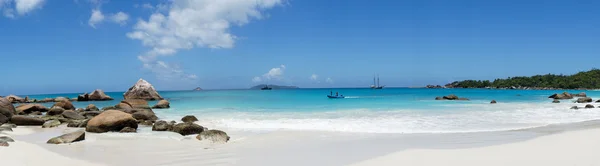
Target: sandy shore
x: 574, y: 144
x: 569, y: 148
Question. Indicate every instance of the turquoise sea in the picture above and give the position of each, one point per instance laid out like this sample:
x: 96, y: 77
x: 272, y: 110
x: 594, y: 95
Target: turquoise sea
x: 390, y: 110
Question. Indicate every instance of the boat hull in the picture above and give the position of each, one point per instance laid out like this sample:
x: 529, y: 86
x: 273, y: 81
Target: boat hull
x: 335, y: 97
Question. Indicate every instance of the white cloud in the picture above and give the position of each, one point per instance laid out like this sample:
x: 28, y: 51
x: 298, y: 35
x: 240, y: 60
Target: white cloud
x: 20, y: 7
x: 96, y: 18
x: 256, y: 79
x: 167, y: 72
x: 147, y: 6
x: 314, y: 77
x: 329, y: 80
x: 185, y: 24
x: 26, y: 6
x: 120, y: 18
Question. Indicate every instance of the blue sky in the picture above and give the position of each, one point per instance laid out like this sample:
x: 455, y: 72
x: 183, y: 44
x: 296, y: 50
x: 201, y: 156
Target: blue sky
x: 62, y: 46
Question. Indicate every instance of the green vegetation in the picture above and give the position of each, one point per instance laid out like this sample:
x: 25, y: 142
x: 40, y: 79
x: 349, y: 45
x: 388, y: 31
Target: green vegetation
x: 582, y: 80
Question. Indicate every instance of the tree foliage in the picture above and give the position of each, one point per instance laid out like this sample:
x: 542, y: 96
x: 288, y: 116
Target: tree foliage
x: 582, y: 80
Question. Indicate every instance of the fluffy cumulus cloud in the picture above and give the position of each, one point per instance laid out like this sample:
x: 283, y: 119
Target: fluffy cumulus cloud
x: 167, y: 72
x: 20, y: 7
x: 275, y: 73
x: 97, y: 17
x: 187, y: 24
x: 120, y: 18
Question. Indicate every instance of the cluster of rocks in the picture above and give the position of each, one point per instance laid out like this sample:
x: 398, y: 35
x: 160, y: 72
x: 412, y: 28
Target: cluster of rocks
x: 566, y: 95
x: 124, y: 117
x: 450, y: 97
x: 434, y: 87
x: 96, y: 95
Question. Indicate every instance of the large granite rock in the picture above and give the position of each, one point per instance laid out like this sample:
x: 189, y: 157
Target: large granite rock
x: 582, y: 94
x: 162, y: 104
x: 78, y: 123
x: 589, y: 106
x: 189, y: 118
x: 188, y: 128
x: 91, y: 107
x: 90, y: 114
x: 134, y: 104
x: 51, y: 123
x: 563, y: 95
x: 55, y: 111
x: 83, y: 97
x: 143, y: 115
x: 29, y: 108
x: 162, y: 126
x: 15, y: 99
x: 68, y: 138
x: 22, y: 120
x: 450, y: 97
x: 142, y: 90
x: 66, y: 104
x: 111, y: 120
x: 584, y: 100
x: 7, y: 110
x: 70, y: 114
x: 98, y: 95
x: 215, y: 136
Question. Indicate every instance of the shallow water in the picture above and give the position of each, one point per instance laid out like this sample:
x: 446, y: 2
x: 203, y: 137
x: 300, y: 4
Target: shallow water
x: 390, y: 110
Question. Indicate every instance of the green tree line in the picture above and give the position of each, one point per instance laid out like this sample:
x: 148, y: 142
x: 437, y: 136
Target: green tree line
x: 582, y: 80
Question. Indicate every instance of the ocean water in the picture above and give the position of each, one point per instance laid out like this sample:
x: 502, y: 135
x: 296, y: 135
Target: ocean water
x: 390, y: 110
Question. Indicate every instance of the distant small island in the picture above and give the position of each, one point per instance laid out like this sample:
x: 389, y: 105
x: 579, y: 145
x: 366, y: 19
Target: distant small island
x: 582, y: 80
x: 274, y: 86
x: 198, y: 89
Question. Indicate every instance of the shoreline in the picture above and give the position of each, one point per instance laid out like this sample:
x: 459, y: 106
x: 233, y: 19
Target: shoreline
x: 275, y: 147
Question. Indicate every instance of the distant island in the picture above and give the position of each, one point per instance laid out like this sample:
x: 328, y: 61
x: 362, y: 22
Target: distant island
x: 274, y: 86
x: 582, y: 80
x: 198, y: 89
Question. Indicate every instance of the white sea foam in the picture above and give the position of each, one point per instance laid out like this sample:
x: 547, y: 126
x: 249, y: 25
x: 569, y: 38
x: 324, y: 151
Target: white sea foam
x: 452, y: 118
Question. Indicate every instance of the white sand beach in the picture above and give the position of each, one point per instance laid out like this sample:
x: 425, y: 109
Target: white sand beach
x: 543, y: 146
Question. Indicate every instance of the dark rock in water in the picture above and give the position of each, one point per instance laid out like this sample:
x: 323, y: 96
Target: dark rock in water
x: 518, y: 95
x: 29, y: 108
x: 61, y: 99
x: 189, y: 118
x: 90, y: 114
x: 22, y: 120
x: 146, y: 123
x: 83, y: 97
x: 584, y: 100
x: 563, y: 95
x: 91, y: 107
x: 51, y: 123
x: 70, y: 114
x: 451, y: 97
x: 6, y: 139
x: 439, y: 98
x: 128, y: 130
x: 46, y: 100
x: 589, y: 106
x: 162, y: 104
x: 215, y: 136
x: 7, y: 110
x: 162, y: 126
x: 582, y: 94
x: 555, y: 101
x: 78, y: 123
x: 111, y: 120
x: 575, y: 108
x: 55, y: 111
x: 5, y: 144
x: 66, y: 104
x: 493, y: 102
x: 462, y: 98
x: 68, y: 138
x: 142, y: 90
x: 144, y: 115
x: 188, y: 128
x: 98, y: 95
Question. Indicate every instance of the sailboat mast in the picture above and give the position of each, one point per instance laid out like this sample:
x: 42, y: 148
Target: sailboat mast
x: 378, y: 80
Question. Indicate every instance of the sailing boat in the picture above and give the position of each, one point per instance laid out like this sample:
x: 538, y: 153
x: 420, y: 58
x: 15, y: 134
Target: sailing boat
x: 376, y: 83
